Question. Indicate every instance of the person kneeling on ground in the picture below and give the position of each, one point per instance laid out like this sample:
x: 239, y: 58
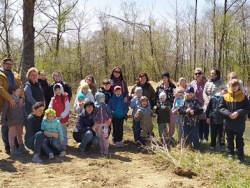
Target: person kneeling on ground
x: 83, y: 132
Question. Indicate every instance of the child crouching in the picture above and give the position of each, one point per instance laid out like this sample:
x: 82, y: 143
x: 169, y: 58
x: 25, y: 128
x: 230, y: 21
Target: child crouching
x: 190, y: 110
x: 52, y: 130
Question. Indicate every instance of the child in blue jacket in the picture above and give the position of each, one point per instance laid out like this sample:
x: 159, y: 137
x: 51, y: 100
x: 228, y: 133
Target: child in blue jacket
x: 119, y: 110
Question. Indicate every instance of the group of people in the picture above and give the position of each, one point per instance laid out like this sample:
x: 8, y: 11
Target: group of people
x: 189, y: 108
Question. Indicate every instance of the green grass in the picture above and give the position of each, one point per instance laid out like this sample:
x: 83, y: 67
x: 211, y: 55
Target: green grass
x: 211, y: 167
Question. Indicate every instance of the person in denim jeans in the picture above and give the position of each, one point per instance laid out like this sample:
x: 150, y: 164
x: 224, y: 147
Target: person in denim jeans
x: 34, y: 136
x: 83, y: 132
x: 190, y: 110
x: 52, y: 125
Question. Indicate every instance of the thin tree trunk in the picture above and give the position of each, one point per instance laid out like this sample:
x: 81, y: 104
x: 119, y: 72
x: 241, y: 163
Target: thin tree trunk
x: 214, y: 35
x: 195, y: 33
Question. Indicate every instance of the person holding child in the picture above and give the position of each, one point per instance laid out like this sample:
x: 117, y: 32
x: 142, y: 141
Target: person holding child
x: 102, y: 120
x: 14, y: 118
x: 60, y: 103
x: 34, y: 137
x: 119, y: 110
x: 235, y: 106
x: 53, y: 127
x: 83, y: 131
x: 190, y: 110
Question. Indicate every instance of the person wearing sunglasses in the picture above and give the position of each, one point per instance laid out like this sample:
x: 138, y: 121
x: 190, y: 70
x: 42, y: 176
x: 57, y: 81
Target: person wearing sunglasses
x: 198, y: 84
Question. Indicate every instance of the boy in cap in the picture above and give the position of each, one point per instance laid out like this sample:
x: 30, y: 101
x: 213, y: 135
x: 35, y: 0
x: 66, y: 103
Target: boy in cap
x: 119, y: 110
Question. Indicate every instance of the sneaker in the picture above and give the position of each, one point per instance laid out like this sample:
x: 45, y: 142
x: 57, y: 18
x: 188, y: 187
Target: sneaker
x: 230, y: 157
x: 51, y: 156
x: 240, y: 161
x: 117, y: 144
x: 36, y: 159
x: 121, y: 144
x: 212, y: 148
x: 62, y: 154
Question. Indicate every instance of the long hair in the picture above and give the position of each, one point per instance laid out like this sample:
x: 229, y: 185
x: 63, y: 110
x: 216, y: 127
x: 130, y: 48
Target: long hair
x: 112, y: 74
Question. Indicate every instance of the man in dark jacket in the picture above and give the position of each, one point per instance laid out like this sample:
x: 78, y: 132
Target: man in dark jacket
x: 235, y: 106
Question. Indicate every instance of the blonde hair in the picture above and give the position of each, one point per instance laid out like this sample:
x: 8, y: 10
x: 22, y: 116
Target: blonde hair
x: 181, y: 79
x: 143, y: 98
x: 32, y: 69
x: 50, y: 111
x: 234, y: 82
x: 186, y: 96
x: 232, y: 73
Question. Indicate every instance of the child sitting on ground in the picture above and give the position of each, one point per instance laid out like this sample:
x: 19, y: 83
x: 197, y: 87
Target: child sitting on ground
x: 15, y: 122
x: 54, y: 130
x: 235, y: 106
x: 102, y: 118
x: 144, y: 114
x: 190, y: 110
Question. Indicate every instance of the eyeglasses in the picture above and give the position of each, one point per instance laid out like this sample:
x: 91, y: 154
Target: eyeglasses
x: 198, y: 73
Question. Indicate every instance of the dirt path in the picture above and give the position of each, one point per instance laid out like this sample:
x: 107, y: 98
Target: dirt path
x: 124, y: 167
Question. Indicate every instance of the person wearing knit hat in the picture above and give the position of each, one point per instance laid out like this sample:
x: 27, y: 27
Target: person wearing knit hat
x: 165, y: 73
x: 163, y: 116
x: 138, y: 90
x: 190, y: 109
x: 51, y: 125
x: 102, y: 120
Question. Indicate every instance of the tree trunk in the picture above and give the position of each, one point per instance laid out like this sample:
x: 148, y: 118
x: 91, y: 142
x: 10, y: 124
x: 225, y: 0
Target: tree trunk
x: 214, y: 35
x: 28, y: 37
x: 195, y: 28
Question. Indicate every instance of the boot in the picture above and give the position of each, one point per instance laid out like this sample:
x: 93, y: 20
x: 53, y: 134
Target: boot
x: 15, y: 151
x: 22, y: 149
x: 7, y: 149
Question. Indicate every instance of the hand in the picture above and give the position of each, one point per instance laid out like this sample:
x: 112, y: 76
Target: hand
x: 188, y: 110
x: 12, y: 103
x: 94, y: 128
x: 191, y: 112
x: 235, y: 115
x: 208, y: 120
x: 163, y: 107
x: 108, y: 122
x: 125, y: 99
x: 21, y: 102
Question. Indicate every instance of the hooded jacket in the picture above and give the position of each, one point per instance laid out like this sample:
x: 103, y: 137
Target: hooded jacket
x: 60, y: 104
x: 84, y: 122
x: 102, y: 113
x: 234, y: 102
x: 212, y: 110
x: 211, y: 87
x: 118, y: 107
x: 53, y: 126
x: 88, y: 97
x: 4, y: 85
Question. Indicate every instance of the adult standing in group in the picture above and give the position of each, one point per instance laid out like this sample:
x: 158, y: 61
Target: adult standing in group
x: 34, y: 136
x: 147, y: 88
x: 117, y: 79
x: 33, y: 90
x: 198, y: 84
x: 57, y: 77
x: 42, y: 79
x: 211, y: 87
x: 8, y: 79
x: 90, y: 80
x: 168, y: 87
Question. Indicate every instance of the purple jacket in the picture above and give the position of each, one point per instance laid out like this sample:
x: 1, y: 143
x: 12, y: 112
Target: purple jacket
x: 198, y: 89
x: 102, y: 113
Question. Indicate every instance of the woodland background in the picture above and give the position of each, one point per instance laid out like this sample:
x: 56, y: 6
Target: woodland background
x: 55, y: 34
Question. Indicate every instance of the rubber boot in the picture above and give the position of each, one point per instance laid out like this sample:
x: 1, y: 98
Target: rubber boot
x: 15, y: 151
x: 22, y: 149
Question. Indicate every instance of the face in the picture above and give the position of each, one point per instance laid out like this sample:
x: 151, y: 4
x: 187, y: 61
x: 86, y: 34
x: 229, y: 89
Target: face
x: 190, y: 95
x: 178, y: 95
x: 102, y: 100
x: 144, y: 103
x: 118, y: 92
x: 117, y: 73
x: 213, y: 74
x: 39, y: 111
x: 183, y: 83
x: 80, y: 100
x: 106, y: 86
x: 142, y: 80
x: 165, y: 79
x: 7, y: 65
x: 233, y: 76
x: 58, y: 91
x: 50, y: 117
x: 162, y: 99
x: 89, y: 109
x: 17, y: 92
x: 57, y: 77
x: 85, y: 90
x: 89, y: 80
x: 42, y: 76
x: 198, y: 75
x: 234, y: 88
x: 138, y: 94
x: 33, y: 76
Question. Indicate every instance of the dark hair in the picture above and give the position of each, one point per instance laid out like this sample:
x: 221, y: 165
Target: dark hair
x: 90, y: 76
x: 6, y: 59
x: 142, y: 74
x: 14, y: 88
x: 106, y: 81
x: 112, y: 74
x: 38, y: 105
x: 218, y: 73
